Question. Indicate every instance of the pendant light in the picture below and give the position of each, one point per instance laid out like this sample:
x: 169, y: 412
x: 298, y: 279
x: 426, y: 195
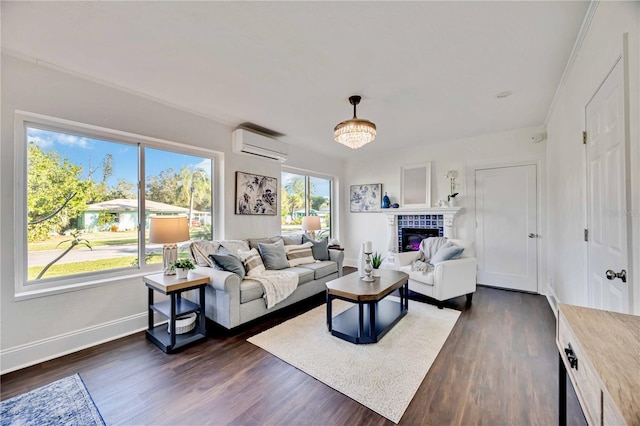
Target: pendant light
x: 356, y: 132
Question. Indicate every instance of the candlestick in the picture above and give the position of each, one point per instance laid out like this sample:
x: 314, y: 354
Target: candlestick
x: 368, y: 269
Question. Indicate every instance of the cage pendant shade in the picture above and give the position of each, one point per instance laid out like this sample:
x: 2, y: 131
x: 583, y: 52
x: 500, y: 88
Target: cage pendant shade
x: 356, y: 132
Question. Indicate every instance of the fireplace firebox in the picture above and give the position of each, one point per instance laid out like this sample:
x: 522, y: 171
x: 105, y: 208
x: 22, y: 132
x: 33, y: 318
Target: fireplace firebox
x: 411, y: 237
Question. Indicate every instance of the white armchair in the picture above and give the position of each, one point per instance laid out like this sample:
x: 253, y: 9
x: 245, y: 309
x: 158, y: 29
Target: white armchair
x: 448, y: 279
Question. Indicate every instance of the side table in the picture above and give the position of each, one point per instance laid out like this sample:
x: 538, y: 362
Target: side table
x: 173, y: 287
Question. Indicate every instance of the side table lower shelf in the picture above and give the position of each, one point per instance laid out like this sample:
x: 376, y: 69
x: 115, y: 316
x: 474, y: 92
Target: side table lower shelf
x: 162, y: 338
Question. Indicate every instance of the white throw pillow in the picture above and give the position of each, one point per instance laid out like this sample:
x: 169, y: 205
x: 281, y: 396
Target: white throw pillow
x: 252, y: 262
x: 299, y: 254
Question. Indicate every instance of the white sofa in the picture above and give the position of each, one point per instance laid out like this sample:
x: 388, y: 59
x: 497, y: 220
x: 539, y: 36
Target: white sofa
x: 230, y: 301
x: 448, y: 279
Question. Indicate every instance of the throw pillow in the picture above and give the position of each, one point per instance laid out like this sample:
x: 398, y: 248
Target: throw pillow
x: 253, y: 242
x: 273, y: 255
x: 320, y: 248
x: 299, y: 254
x: 252, y: 262
x: 446, y: 253
x: 229, y: 263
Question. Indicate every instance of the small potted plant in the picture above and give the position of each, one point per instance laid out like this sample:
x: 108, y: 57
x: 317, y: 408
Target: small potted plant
x: 182, y: 267
x: 376, y: 261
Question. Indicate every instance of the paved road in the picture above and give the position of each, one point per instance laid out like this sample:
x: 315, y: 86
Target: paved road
x: 82, y: 253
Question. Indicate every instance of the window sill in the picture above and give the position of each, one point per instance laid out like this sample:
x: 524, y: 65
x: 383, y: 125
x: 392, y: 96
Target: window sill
x: 26, y: 294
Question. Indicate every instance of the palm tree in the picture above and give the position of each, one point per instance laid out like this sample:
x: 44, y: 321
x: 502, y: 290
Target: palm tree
x: 194, y: 184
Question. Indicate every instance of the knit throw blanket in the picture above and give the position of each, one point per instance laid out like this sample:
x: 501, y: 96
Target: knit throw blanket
x: 428, y: 247
x: 277, y: 285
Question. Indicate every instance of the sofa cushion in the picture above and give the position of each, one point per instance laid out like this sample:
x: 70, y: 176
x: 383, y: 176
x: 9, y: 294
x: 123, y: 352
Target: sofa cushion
x: 200, y: 251
x: 235, y: 245
x: 320, y: 247
x: 304, y: 274
x: 418, y: 275
x: 252, y: 262
x: 446, y: 253
x: 253, y: 242
x: 273, y: 255
x: 292, y: 240
x: 322, y: 268
x: 250, y: 290
x: 229, y: 263
x: 299, y: 254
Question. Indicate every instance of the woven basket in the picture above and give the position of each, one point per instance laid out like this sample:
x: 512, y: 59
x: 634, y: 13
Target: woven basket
x: 184, y: 324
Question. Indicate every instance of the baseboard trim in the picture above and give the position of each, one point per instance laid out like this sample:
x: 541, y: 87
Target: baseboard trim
x: 552, y: 299
x: 26, y: 355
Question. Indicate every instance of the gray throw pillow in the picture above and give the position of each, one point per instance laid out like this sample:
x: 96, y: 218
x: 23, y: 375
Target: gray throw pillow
x: 446, y: 253
x: 320, y: 248
x: 273, y: 255
x: 229, y: 263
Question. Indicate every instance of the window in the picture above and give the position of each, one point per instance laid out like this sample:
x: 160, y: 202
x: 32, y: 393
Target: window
x: 305, y: 195
x: 86, y: 217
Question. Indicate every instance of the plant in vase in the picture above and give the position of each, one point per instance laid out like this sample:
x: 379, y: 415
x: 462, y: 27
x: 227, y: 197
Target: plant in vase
x: 376, y: 261
x: 182, y: 267
x: 451, y: 198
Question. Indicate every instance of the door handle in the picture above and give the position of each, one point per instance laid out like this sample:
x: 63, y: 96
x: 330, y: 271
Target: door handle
x: 532, y: 235
x: 612, y: 275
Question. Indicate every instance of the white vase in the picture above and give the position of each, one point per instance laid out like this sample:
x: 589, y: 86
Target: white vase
x: 181, y: 273
x: 452, y: 202
x: 376, y: 272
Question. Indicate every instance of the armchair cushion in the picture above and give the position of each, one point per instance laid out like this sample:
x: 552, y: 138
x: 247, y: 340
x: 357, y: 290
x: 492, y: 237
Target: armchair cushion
x: 446, y: 253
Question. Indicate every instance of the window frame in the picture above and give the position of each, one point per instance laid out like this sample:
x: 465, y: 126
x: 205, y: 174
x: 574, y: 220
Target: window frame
x: 307, y: 174
x: 48, y: 286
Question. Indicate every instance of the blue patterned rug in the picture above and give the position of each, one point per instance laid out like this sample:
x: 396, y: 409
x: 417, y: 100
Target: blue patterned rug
x: 63, y: 402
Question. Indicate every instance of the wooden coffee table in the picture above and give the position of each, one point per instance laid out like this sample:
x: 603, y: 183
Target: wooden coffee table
x: 373, y: 316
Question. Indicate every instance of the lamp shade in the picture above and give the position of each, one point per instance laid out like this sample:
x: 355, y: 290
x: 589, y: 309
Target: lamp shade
x: 310, y: 223
x: 168, y: 229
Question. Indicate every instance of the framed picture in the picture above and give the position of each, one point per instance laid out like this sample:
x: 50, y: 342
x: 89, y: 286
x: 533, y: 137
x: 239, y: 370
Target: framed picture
x: 415, y: 181
x: 256, y: 194
x: 365, y: 198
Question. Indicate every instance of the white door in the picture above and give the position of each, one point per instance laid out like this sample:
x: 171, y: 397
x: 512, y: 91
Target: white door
x: 506, y: 227
x: 606, y: 195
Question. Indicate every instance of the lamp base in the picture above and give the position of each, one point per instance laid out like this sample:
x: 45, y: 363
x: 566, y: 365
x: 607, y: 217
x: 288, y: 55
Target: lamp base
x: 169, y: 255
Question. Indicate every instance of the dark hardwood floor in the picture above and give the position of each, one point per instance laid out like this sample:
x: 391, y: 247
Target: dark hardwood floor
x: 498, y: 367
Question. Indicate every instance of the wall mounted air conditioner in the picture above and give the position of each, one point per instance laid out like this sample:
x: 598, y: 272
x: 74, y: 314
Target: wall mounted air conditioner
x: 247, y: 142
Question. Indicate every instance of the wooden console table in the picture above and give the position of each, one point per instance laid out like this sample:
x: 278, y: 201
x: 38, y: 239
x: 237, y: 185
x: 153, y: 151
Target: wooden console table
x: 600, y: 351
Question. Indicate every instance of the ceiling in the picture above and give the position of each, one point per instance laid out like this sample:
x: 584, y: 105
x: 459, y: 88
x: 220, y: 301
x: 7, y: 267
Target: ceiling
x: 428, y: 72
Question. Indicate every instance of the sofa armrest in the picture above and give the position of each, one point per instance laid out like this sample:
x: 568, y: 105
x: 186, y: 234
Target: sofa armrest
x: 405, y: 258
x: 221, y: 280
x: 338, y: 257
x: 453, y: 278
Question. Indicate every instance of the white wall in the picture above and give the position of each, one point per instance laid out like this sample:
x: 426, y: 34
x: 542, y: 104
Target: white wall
x: 44, y: 327
x: 598, y: 53
x: 461, y: 155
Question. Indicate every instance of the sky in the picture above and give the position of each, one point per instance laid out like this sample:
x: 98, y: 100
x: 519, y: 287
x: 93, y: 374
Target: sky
x: 89, y: 154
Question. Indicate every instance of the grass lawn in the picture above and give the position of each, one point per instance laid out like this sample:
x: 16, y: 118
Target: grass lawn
x: 91, y: 266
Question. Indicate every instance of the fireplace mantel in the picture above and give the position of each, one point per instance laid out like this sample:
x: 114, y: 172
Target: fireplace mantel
x: 448, y: 213
x: 424, y: 210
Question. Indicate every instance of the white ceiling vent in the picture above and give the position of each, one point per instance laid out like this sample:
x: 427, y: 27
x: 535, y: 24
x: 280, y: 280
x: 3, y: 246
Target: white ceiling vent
x: 247, y: 142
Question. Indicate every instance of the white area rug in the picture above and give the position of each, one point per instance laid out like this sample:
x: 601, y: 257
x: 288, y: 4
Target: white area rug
x: 383, y: 376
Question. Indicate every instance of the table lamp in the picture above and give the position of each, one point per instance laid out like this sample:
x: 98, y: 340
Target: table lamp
x: 168, y: 230
x: 311, y: 224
